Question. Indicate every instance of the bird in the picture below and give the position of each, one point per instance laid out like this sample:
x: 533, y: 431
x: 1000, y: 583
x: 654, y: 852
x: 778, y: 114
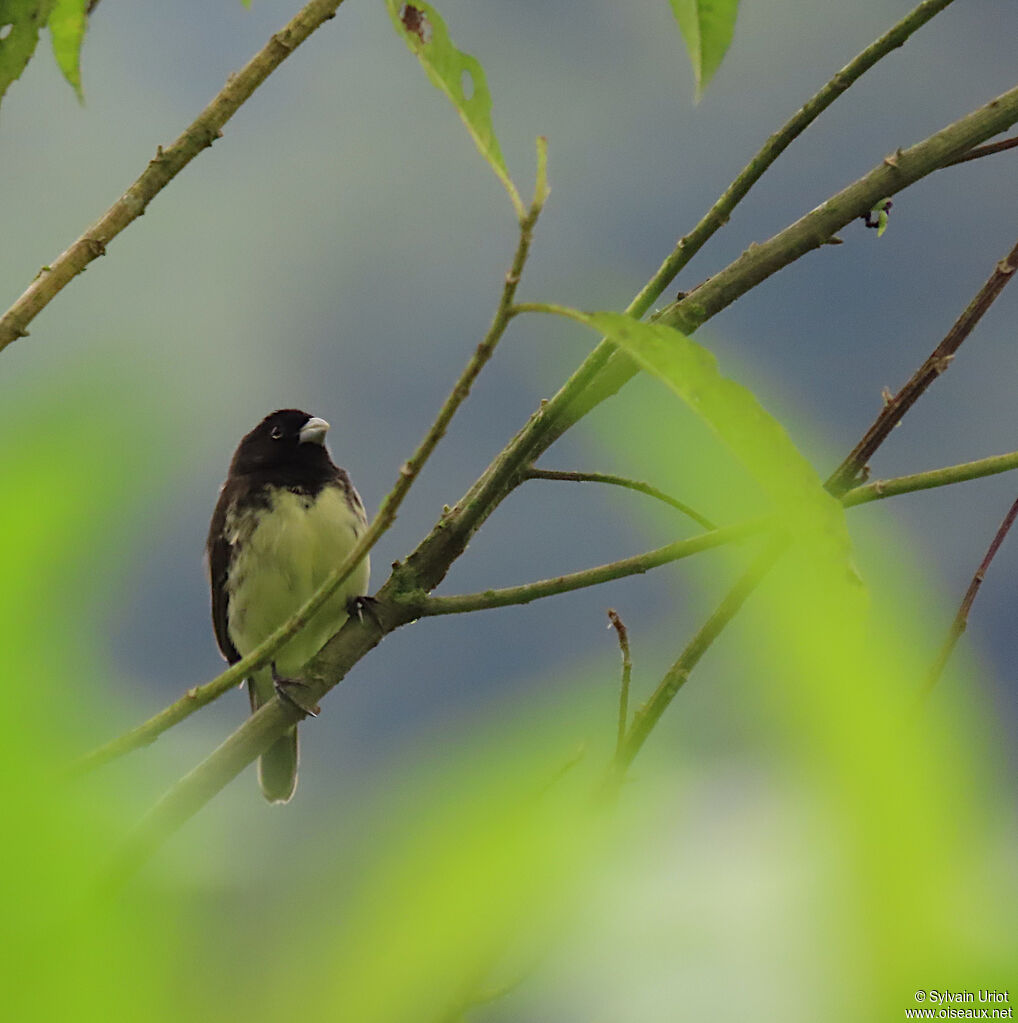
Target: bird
x: 286, y: 517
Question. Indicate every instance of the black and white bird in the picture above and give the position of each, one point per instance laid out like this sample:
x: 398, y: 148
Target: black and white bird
x: 285, y: 519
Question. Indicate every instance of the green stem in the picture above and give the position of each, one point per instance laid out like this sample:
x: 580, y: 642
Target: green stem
x: 619, y: 481
x: 627, y: 671
x: 422, y: 606
x: 677, y: 675
x: 880, y: 489
x: 167, y: 164
x: 717, y: 216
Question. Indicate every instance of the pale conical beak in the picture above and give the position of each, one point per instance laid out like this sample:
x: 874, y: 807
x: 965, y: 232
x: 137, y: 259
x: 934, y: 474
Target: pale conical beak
x: 314, y: 430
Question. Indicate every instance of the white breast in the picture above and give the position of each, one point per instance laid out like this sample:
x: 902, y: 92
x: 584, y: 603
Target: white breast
x: 282, y: 555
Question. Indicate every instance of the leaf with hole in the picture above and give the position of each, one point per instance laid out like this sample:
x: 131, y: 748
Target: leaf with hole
x: 459, y: 75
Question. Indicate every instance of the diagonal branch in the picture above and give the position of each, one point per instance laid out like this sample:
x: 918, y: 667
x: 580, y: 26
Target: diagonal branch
x: 940, y: 358
x: 879, y: 489
x: 677, y: 675
x: 606, y: 370
x: 717, y: 216
x: 167, y: 164
x: 961, y: 619
x: 980, y: 151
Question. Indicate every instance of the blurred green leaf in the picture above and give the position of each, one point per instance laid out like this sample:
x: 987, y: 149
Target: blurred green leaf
x: 891, y: 813
x: 67, y: 23
x: 69, y: 485
x: 753, y: 435
x: 459, y: 76
x: 707, y: 27
x: 20, y: 22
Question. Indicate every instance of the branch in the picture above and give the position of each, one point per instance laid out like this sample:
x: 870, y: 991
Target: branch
x: 619, y: 481
x: 422, y: 606
x: 627, y: 670
x: 717, y: 216
x: 606, y: 370
x: 197, y: 697
x: 980, y: 151
x: 879, y: 489
x: 167, y: 164
x: 894, y: 411
x: 649, y: 714
x: 961, y: 619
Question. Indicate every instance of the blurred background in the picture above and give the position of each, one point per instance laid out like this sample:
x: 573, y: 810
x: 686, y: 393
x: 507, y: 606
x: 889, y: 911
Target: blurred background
x: 341, y: 249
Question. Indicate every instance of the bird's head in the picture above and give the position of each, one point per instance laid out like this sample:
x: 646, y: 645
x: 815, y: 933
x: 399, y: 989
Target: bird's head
x: 287, y: 439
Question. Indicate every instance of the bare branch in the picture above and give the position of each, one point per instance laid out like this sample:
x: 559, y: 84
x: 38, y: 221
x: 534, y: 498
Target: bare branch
x: 162, y: 169
x: 980, y: 151
x: 619, y: 481
x: 879, y: 489
x: 627, y: 670
x: 940, y: 358
x: 423, y: 606
x: 650, y: 713
x: 960, y: 623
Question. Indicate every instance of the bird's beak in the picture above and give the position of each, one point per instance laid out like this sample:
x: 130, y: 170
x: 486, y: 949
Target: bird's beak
x: 314, y: 430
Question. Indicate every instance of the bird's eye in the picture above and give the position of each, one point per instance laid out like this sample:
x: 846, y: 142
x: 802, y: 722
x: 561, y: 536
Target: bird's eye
x: 277, y: 432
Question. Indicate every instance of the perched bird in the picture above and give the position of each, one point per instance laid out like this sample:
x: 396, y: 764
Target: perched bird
x: 286, y: 517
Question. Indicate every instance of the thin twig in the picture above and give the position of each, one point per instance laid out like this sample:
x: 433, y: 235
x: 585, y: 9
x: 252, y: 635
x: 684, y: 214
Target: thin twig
x: 627, y: 669
x: 717, y: 216
x: 162, y: 169
x: 980, y: 151
x: 420, y: 605
x: 201, y: 695
x: 619, y: 481
x: 423, y: 606
x: 879, y: 489
x: 847, y: 474
x: 676, y: 676
x: 961, y: 619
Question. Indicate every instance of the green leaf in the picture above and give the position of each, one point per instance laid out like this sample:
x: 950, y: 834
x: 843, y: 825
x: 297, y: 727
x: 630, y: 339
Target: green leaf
x: 20, y: 21
x: 757, y: 440
x: 459, y: 76
x: 67, y: 24
x: 707, y: 27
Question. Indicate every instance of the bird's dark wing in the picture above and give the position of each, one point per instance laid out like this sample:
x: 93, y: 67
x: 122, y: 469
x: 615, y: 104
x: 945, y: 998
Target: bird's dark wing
x: 220, y: 552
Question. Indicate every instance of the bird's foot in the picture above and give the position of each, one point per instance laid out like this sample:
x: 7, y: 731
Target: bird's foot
x: 282, y: 685
x: 359, y: 607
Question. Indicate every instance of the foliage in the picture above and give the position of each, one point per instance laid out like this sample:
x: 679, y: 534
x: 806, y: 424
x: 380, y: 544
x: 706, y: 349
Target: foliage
x: 521, y: 870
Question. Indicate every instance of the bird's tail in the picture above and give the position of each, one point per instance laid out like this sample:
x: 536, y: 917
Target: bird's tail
x: 277, y: 768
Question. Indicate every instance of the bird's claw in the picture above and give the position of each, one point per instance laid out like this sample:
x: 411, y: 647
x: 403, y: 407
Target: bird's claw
x: 281, y: 684
x: 359, y: 607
